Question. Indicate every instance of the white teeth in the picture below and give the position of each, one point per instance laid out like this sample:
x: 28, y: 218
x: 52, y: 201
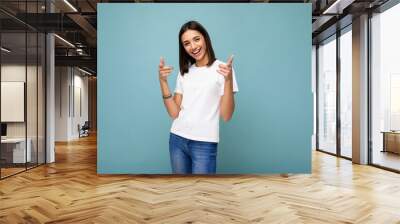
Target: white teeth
x: 195, y: 52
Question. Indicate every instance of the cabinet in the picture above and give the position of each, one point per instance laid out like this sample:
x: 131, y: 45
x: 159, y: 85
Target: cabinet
x: 13, y: 150
x: 391, y: 141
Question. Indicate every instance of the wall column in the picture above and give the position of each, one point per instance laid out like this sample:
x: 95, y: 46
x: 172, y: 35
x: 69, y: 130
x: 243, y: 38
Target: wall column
x: 360, y: 90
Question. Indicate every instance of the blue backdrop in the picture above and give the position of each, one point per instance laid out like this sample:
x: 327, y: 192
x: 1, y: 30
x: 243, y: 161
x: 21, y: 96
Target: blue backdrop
x: 271, y: 129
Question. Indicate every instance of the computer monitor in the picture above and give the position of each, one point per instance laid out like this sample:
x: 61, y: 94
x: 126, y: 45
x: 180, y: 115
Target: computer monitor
x: 3, y: 129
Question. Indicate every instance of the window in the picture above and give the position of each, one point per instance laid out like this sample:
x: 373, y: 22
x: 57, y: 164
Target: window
x: 385, y: 88
x: 327, y: 95
x: 346, y: 92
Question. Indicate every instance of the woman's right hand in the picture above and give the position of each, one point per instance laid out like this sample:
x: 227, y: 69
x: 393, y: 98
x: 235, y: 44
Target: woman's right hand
x: 163, y: 70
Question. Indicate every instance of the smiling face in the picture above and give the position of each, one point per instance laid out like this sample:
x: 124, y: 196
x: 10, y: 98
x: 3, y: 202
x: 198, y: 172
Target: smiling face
x: 195, y: 45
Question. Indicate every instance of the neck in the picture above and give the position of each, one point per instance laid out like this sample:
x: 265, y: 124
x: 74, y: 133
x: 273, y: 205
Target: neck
x: 203, y: 61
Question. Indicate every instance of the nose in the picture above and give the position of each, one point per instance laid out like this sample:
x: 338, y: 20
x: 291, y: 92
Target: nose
x: 192, y: 46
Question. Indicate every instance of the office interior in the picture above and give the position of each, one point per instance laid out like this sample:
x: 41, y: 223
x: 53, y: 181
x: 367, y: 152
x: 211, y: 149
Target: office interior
x: 49, y: 75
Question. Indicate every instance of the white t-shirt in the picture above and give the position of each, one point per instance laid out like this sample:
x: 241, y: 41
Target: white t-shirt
x: 201, y: 88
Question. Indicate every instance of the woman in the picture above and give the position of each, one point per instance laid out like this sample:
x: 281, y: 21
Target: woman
x: 203, y: 93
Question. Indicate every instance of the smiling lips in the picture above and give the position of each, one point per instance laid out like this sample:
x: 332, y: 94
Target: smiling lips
x: 196, y: 53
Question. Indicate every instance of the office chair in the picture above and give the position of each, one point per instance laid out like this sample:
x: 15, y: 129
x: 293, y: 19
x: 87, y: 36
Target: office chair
x: 84, y: 130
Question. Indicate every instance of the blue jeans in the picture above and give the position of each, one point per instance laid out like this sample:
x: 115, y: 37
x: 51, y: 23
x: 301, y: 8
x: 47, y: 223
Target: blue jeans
x: 192, y: 157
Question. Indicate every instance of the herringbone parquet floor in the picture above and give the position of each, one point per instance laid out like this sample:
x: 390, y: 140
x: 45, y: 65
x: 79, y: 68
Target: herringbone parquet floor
x: 70, y: 191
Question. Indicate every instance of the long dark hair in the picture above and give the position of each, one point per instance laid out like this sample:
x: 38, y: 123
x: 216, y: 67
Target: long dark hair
x: 185, y: 60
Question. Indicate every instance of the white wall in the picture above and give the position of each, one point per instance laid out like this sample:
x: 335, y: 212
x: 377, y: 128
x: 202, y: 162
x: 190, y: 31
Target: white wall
x: 62, y: 81
x: 15, y: 72
x: 71, y: 87
x: 11, y: 73
x: 81, y: 84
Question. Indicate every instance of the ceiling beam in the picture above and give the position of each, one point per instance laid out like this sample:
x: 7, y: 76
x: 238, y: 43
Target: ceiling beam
x: 86, y: 26
x: 83, y: 61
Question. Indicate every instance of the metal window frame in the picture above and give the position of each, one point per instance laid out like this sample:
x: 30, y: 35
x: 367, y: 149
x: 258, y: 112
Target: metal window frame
x: 338, y: 34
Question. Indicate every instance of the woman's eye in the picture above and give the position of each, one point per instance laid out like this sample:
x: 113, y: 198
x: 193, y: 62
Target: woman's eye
x: 197, y: 39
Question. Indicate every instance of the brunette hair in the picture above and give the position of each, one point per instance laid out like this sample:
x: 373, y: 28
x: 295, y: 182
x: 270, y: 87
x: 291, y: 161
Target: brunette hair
x: 185, y: 60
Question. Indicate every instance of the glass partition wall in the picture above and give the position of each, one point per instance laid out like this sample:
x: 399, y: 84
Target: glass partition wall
x: 22, y: 88
x: 334, y: 93
x: 13, y: 88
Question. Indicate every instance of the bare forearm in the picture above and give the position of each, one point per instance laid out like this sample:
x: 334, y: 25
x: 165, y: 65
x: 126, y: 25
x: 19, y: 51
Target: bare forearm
x: 170, y: 104
x: 227, y: 101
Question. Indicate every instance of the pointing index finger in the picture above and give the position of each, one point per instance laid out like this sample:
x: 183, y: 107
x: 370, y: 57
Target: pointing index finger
x: 230, y: 60
x: 162, y: 62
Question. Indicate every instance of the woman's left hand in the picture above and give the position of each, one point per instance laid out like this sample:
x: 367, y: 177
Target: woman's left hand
x: 226, y: 69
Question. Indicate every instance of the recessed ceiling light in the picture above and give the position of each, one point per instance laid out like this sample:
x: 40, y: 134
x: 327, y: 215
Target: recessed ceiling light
x: 5, y: 50
x: 84, y: 71
x: 64, y: 40
x: 337, y: 7
x: 70, y: 5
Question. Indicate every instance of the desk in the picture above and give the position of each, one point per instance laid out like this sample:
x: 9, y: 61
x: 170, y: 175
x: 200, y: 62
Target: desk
x: 15, y: 148
x: 391, y: 141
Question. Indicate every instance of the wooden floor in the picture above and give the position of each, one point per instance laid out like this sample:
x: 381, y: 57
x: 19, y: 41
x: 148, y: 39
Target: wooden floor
x: 70, y: 191
x: 5, y: 172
